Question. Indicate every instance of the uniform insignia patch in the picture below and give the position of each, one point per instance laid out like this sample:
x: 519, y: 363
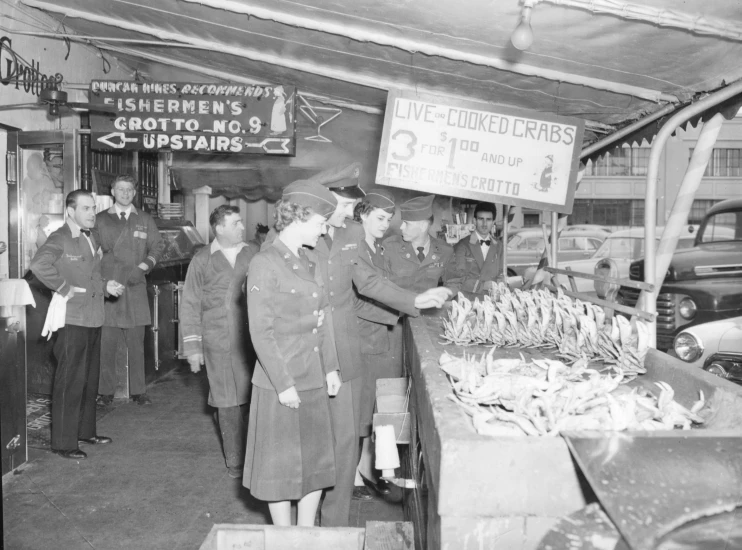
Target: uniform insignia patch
x: 350, y: 246
x: 254, y: 289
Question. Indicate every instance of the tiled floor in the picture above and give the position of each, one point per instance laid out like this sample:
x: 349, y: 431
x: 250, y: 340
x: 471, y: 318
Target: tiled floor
x: 162, y: 483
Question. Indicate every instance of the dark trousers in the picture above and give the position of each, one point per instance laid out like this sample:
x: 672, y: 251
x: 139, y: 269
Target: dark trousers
x: 233, y: 428
x: 119, y: 347
x: 345, y: 410
x: 77, y: 350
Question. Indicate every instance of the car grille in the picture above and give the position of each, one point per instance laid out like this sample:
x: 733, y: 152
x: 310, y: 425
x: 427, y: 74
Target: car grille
x: 665, y: 312
x: 635, y: 272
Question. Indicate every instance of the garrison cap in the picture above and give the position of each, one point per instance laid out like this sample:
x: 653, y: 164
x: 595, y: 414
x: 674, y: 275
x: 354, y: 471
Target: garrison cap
x: 417, y: 208
x: 311, y: 194
x: 381, y: 198
x: 342, y: 180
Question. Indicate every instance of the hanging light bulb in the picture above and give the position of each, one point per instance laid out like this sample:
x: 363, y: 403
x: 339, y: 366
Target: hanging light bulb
x: 522, y: 36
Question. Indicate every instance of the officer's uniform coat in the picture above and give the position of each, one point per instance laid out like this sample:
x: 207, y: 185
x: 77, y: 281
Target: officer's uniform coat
x: 126, y: 244
x: 345, y: 269
x: 471, y: 270
x: 410, y: 273
x: 289, y: 451
x: 213, y: 320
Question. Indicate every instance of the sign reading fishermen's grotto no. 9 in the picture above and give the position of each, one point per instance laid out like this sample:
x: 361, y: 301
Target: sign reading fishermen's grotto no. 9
x: 202, y: 118
x: 474, y: 150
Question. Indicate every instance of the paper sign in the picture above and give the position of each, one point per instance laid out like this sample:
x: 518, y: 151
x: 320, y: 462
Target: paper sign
x: 474, y: 150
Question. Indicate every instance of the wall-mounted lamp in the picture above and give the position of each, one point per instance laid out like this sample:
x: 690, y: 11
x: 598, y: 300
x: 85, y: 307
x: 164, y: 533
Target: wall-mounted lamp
x: 522, y: 36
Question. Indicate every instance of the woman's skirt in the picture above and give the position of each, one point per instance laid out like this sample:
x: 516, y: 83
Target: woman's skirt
x: 290, y: 452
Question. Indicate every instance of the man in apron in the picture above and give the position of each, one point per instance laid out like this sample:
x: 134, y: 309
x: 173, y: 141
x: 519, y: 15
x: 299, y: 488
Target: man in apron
x: 131, y: 246
x: 214, y: 325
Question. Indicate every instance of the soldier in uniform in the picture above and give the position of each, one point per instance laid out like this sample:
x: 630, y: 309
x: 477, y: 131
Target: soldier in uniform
x: 478, y: 257
x: 69, y: 264
x: 213, y: 320
x: 289, y: 438
x: 339, y: 250
x: 131, y: 245
x: 417, y: 261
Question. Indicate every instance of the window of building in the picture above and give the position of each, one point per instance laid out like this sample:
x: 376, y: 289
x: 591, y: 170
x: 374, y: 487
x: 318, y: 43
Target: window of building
x: 699, y: 209
x: 531, y: 219
x: 616, y: 212
x: 621, y: 161
x: 724, y: 163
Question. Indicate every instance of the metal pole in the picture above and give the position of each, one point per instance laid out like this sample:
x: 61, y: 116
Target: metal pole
x: 648, y: 300
x: 684, y: 201
x: 554, y: 239
x: 505, y: 212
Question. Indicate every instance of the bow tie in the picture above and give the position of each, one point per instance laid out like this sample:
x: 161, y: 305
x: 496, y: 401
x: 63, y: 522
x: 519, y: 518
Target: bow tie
x: 483, y: 241
x: 85, y: 232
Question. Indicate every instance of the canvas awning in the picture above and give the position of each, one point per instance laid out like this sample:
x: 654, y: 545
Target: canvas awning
x: 609, y: 69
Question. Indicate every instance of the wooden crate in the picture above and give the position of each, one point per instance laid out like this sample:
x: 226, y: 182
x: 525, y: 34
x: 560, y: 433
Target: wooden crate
x: 392, y: 407
x: 378, y: 535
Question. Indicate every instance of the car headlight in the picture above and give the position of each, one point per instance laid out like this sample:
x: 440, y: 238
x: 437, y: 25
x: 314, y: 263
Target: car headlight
x: 687, y: 308
x: 687, y: 347
x: 717, y: 369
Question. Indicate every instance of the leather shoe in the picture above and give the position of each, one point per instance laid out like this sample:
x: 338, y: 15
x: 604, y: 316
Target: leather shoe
x: 141, y: 399
x: 96, y: 440
x: 362, y: 493
x: 74, y: 454
x: 381, y: 487
x: 105, y: 400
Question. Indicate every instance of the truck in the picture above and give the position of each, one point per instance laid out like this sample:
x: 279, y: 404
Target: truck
x: 703, y: 282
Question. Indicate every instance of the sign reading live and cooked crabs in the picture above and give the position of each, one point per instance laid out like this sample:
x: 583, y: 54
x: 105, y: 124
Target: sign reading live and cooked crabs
x: 473, y: 150
x: 201, y: 118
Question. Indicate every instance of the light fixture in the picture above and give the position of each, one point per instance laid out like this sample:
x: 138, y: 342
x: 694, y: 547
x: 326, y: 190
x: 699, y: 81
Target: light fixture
x: 522, y: 36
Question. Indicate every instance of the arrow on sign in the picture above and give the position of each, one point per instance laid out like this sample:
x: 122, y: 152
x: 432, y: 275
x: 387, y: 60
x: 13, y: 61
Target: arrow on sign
x: 282, y: 144
x: 107, y: 140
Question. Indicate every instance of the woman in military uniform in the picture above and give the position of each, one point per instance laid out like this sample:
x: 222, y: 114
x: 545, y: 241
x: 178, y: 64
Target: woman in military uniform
x: 289, y: 438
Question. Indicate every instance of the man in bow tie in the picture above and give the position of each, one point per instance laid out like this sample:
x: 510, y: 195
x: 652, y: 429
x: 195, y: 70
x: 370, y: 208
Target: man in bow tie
x: 69, y: 264
x: 478, y: 257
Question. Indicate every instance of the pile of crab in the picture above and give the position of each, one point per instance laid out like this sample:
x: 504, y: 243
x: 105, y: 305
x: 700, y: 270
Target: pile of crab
x: 545, y: 397
x: 540, y: 319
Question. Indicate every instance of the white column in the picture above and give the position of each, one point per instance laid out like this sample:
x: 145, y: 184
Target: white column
x: 202, y: 195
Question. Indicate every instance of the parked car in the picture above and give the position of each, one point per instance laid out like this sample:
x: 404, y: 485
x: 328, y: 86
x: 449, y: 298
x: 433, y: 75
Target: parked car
x: 716, y: 347
x: 526, y: 246
x: 623, y: 247
x: 704, y: 282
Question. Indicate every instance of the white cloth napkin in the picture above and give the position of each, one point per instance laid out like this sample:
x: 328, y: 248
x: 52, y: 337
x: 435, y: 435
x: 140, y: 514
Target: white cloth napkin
x: 55, y: 316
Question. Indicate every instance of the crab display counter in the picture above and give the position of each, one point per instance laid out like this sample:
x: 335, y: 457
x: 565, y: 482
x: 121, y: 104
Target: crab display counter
x: 475, y: 491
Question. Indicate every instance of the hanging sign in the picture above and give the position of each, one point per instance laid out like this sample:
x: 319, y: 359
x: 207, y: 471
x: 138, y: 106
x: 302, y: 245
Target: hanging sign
x: 473, y: 150
x: 201, y: 118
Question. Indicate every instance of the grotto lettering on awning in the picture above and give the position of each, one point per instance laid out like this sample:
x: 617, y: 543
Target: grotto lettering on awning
x: 202, y: 118
x: 448, y: 146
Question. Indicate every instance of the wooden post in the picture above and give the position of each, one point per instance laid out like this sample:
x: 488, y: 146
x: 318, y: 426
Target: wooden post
x: 202, y: 195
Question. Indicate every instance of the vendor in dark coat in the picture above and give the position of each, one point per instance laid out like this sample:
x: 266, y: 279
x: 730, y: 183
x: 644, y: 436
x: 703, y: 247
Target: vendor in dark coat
x: 417, y: 261
x: 213, y: 321
x: 478, y: 257
x: 376, y: 321
x: 131, y: 246
x: 289, y: 438
x: 339, y: 252
x: 68, y: 263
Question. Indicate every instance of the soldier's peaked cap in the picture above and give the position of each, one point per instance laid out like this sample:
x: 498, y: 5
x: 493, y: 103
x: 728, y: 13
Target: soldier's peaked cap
x: 417, y: 208
x: 342, y: 180
x: 311, y: 194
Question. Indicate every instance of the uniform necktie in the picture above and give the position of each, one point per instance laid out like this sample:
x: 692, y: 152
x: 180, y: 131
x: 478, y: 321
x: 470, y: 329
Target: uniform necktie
x: 328, y: 240
x: 85, y: 232
x: 421, y: 253
x: 123, y: 216
x: 485, y: 241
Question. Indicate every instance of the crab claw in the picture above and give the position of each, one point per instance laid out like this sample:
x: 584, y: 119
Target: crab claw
x: 667, y: 394
x: 698, y: 405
